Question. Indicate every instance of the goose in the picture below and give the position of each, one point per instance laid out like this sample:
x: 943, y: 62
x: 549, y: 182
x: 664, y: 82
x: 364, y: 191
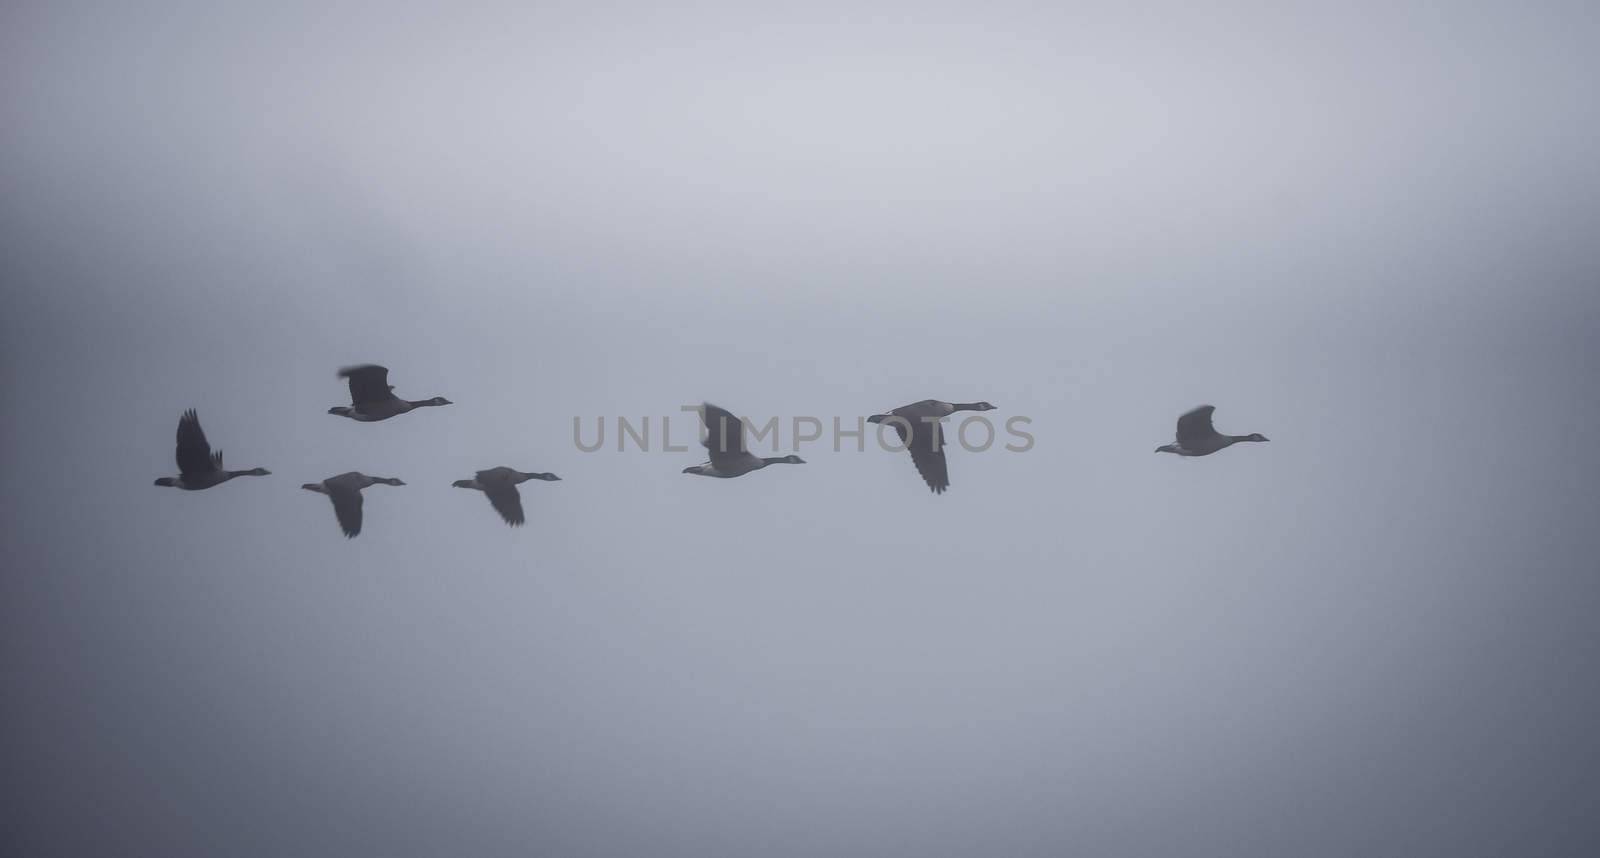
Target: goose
x: 1196, y: 436
x: 345, y: 492
x: 725, y: 445
x: 500, y: 484
x: 198, y: 467
x: 920, y: 433
x: 372, y: 396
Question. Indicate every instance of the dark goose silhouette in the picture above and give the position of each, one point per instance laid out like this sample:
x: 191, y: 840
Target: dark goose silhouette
x: 500, y: 485
x: 345, y: 492
x: 725, y: 446
x: 920, y: 433
x: 198, y: 467
x: 1197, y: 437
x: 372, y: 397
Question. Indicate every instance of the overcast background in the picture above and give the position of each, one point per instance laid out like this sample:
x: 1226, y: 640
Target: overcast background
x: 1366, y: 231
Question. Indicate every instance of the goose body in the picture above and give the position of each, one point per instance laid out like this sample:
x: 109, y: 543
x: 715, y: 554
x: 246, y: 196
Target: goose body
x: 198, y: 466
x: 1197, y: 437
x: 726, y: 450
x: 918, y: 427
x: 500, y: 485
x: 345, y: 492
x: 372, y: 397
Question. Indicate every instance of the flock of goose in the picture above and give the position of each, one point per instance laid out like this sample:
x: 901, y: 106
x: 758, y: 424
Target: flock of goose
x: 372, y: 399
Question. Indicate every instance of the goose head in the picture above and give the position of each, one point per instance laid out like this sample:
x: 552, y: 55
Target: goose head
x: 255, y: 472
x: 792, y: 460
x: 1255, y: 436
x: 552, y: 478
x: 169, y: 482
x: 437, y: 400
x: 975, y: 406
x: 389, y: 481
x: 464, y: 484
x: 314, y: 487
x: 1167, y: 448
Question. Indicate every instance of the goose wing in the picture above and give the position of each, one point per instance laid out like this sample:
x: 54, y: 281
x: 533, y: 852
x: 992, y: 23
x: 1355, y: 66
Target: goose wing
x: 194, y: 453
x: 724, y: 434
x: 1196, y: 425
x: 925, y: 440
x: 505, y: 499
x: 368, y: 383
x: 346, y: 505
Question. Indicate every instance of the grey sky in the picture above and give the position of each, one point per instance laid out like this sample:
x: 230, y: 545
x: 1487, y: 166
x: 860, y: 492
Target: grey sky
x: 1367, y: 232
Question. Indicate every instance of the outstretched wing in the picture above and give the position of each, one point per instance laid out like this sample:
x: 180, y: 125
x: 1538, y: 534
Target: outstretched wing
x: 346, y: 507
x: 194, y: 454
x: 927, y: 453
x: 506, y: 500
x: 1196, y: 425
x: 925, y: 440
x: 724, y: 433
x: 368, y: 383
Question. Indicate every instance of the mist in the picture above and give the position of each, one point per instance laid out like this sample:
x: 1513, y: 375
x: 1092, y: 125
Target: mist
x: 1364, y: 231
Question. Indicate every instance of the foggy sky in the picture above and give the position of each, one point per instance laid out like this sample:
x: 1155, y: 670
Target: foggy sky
x: 1367, y: 232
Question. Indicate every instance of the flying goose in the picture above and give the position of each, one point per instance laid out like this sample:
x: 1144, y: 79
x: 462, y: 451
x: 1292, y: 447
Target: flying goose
x: 500, y: 484
x: 918, y: 427
x: 198, y: 467
x: 725, y: 446
x: 345, y: 492
x: 372, y: 397
x: 1197, y: 437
